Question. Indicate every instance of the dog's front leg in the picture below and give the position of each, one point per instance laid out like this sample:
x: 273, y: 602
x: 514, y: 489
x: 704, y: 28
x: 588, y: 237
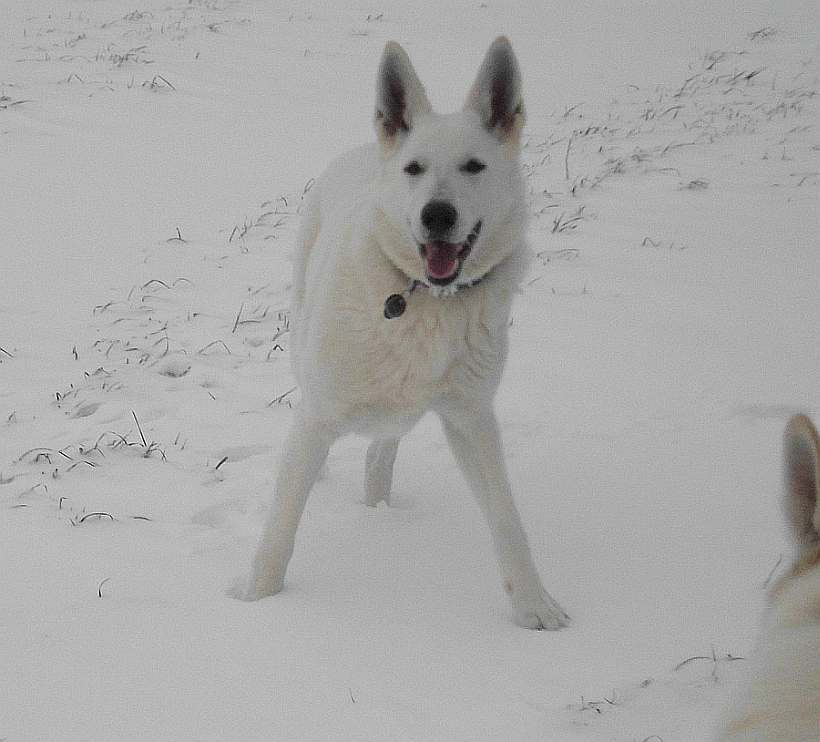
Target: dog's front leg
x: 476, y: 444
x: 304, y: 455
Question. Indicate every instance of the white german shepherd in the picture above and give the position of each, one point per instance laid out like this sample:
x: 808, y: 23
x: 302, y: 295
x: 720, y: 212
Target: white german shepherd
x: 409, y: 253
x: 781, y: 701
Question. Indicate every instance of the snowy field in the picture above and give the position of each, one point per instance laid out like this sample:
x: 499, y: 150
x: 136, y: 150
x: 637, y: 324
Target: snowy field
x: 153, y: 159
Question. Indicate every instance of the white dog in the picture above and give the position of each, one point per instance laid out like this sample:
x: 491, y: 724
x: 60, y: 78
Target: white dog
x: 409, y: 253
x: 781, y: 701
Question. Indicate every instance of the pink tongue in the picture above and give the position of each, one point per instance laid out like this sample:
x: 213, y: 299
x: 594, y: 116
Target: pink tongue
x: 441, y: 259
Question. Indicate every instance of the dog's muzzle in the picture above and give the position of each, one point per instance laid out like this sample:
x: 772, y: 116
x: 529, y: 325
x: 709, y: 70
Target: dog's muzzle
x: 396, y: 304
x: 443, y: 260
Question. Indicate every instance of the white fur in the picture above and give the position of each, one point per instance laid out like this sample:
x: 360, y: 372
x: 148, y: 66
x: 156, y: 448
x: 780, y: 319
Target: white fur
x: 359, y: 372
x: 780, y: 702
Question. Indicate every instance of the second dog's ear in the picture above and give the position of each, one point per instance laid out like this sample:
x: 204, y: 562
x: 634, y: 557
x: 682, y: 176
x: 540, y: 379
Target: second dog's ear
x: 400, y: 96
x: 801, y: 455
x: 496, y: 92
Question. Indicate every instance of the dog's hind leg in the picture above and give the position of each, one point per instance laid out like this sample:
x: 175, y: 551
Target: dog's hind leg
x: 304, y: 455
x: 378, y: 470
x: 476, y: 444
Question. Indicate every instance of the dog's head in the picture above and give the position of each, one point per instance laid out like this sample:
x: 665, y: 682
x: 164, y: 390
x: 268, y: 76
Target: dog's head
x: 801, y: 465
x: 450, y: 196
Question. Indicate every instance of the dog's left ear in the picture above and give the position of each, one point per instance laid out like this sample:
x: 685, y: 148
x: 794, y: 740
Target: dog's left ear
x: 496, y: 92
x: 400, y: 96
x: 801, y: 464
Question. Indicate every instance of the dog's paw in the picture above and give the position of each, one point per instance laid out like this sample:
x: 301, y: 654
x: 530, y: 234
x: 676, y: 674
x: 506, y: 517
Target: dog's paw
x: 372, y: 498
x: 540, y: 612
x: 251, y: 590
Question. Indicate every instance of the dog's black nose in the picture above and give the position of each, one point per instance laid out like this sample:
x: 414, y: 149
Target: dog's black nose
x: 439, y: 217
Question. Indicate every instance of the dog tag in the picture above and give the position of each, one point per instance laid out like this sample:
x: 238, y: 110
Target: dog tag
x: 394, y: 306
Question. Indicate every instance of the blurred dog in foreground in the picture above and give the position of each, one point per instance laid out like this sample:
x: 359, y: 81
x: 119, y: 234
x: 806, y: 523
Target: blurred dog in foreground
x: 781, y: 700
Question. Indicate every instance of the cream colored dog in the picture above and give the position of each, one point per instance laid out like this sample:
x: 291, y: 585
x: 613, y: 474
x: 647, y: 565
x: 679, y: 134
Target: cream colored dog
x: 781, y: 701
x: 409, y: 254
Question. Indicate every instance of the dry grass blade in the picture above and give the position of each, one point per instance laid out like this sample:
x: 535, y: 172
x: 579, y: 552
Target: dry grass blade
x: 762, y: 33
x: 282, y: 398
x: 238, y: 315
x: 202, y: 350
x: 177, y: 238
x: 566, y: 156
x: 772, y: 572
x: 685, y: 662
x: 139, y: 427
x: 95, y: 515
x: 6, y: 102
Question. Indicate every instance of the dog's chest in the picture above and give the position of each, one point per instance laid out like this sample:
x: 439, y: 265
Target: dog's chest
x: 419, y: 351
x: 401, y: 366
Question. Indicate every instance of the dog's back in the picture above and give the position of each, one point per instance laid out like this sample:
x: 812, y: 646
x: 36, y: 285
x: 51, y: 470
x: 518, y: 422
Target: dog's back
x: 331, y: 204
x: 781, y: 702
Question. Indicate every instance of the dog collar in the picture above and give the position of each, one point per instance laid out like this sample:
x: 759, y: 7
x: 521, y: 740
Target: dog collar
x: 395, y: 304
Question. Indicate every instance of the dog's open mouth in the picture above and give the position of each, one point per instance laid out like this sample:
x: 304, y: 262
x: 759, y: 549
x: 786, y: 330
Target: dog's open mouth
x: 443, y: 260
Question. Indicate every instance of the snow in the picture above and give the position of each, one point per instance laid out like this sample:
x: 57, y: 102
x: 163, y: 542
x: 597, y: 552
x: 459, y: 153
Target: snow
x: 154, y: 158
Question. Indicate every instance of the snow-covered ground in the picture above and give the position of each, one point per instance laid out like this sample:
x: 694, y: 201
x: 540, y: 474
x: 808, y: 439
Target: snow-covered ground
x: 153, y: 158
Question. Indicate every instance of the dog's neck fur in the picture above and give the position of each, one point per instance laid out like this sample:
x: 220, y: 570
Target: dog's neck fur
x: 441, y: 292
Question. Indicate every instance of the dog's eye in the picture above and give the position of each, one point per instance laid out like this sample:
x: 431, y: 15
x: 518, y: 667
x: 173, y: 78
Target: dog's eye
x: 413, y: 168
x: 472, y: 166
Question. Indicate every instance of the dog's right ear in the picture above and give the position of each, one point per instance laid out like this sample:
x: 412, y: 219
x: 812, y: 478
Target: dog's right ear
x: 801, y: 454
x: 400, y: 96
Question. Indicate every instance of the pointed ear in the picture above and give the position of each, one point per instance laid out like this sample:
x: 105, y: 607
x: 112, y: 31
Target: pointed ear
x: 496, y: 92
x: 801, y: 454
x: 400, y: 96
